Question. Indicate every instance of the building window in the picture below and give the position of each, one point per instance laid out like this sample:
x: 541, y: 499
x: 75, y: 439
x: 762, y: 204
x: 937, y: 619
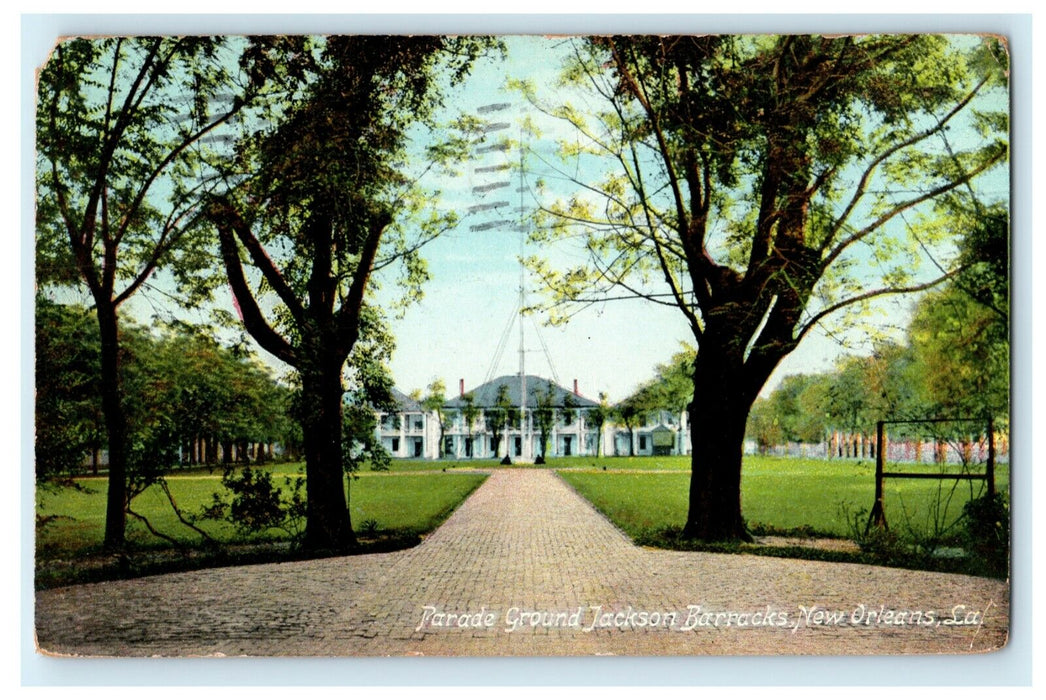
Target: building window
x: 519, y: 446
x: 395, y: 444
x: 642, y: 442
x: 418, y: 444
x: 566, y: 445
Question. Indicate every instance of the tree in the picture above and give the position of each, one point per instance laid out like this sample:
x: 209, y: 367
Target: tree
x: 68, y: 411
x: 782, y: 417
x: 961, y: 357
x: 216, y: 398
x: 985, y: 255
x: 743, y: 179
x: 597, y: 417
x: 960, y: 334
x: 672, y: 388
x: 497, y: 419
x: 848, y: 400
x: 120, y: 126
x: 330, y: 206
x: 434, y: 401
x: 469, y: 414
x: 544, y: 418
x: 630, y: 412
x: 764, y: 425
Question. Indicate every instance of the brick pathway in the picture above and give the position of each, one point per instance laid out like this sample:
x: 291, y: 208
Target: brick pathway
x: 525, y: 551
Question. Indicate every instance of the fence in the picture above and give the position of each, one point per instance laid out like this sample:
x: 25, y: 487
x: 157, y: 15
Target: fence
x: 943, y: 446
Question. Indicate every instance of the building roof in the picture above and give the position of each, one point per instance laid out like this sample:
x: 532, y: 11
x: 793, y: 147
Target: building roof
x: 485, y: 395
x: 405, y: 403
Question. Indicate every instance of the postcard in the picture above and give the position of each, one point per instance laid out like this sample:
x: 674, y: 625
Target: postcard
x: 376, y: 345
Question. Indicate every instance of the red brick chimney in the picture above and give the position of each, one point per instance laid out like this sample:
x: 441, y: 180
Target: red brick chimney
x: 575, y: 389
x: 461, y: 387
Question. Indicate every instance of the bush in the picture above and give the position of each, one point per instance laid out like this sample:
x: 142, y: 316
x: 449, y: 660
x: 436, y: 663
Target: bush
x: 987, y: 533
x: 257, y: 504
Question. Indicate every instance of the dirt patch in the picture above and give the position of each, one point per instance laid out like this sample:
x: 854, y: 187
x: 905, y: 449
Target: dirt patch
x: 823, y: 543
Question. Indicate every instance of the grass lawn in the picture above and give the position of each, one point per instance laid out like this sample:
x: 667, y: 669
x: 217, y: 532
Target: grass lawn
x: 778, y: 494
x: 644, y: 496
x: 573, y: 463
x: 414, y: 502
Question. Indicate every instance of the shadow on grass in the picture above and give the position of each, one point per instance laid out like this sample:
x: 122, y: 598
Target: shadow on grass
x: 897, y: 555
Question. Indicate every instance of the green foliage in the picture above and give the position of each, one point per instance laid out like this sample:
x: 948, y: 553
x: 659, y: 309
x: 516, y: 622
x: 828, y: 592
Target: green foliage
x: 370, y: 390
x: 797, y: 411
x: 764, y: 185
x: 255, y: 505
x: 954, y: 363
x: 434, y: 401
x: 631, y: 412
x: 672, y: 387
x: 544, y: 418
x: 142, y: 124
x: 881, y: 543
x: 961, y: 352
x: 985, y: 256
x: 69, y: 423
x: 691, y: 130
x: 124, y: 128
x: 360, y: 443
x: 331, y: 205
x: 987, y: 533
x: 179, y: 386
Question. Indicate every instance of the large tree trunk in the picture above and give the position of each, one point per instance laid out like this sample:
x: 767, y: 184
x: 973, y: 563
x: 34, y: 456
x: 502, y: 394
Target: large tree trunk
x: 115, y: 426
x: 328, y: 524
x: 718, y: 414
x: 715, y: 481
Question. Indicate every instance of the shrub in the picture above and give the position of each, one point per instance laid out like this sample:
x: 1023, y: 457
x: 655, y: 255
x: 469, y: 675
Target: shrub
x: 254, y: 504
x: 987, y: 533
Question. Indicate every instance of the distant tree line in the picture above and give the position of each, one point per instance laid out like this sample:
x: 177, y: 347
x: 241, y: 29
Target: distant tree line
x: 190, y: 401
x: 953, y: 363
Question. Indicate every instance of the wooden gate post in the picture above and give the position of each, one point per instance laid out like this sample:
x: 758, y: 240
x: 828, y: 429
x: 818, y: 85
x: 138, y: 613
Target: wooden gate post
x: 878, y: 516
x: 991, y: 458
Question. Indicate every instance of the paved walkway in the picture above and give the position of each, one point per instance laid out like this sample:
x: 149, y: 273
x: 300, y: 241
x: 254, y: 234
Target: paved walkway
x: 527, y: 567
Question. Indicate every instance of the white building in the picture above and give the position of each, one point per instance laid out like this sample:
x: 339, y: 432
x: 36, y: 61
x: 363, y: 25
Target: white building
x: 660, y: 433
x: 570, y: 432
x: 412, y: 432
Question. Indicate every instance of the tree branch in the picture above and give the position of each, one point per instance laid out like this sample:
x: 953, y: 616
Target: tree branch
x: 262, y: 261
x: 348, y: 317
x: 862, y: 184
x: 882, y: 291
x: 904, y: 206
x: 253, y: 319
x: 178, y: 512
x: 171, y: 156
x: 655, y: 123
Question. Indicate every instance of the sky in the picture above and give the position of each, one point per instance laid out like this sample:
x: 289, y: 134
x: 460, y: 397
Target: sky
x: 453, y: 332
